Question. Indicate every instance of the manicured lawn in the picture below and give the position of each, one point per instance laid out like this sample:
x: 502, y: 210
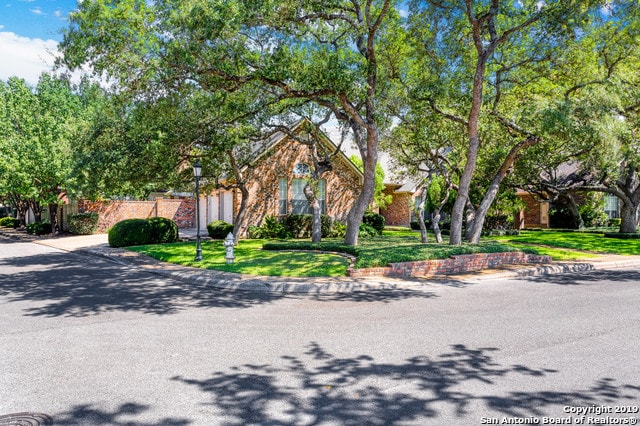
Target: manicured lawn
x: 590, y: 242
x: 392, y: 247
x: 250, y: 259
x: 395, y: 245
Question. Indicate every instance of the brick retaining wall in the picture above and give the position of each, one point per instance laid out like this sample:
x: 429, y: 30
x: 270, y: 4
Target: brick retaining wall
x: 453, y: 265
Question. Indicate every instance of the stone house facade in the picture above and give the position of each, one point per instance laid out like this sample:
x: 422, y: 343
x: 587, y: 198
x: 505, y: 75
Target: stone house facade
x: 275, y: 184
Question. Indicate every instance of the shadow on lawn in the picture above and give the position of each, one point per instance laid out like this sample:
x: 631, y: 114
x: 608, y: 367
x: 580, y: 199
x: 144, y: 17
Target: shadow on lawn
x: 320, y: 388
x: 74, y: 285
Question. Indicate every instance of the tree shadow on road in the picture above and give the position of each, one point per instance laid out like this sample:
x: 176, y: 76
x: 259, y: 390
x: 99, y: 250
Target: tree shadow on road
x: 321, y: 388
x: 64, y: 284
x: 587, y: 277
x: 89, y: 415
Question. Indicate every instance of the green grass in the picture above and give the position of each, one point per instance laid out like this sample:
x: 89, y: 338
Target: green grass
x: 392, y: 247
x: 589, y: 242
x: 395, y: 245
x: 250, y: 259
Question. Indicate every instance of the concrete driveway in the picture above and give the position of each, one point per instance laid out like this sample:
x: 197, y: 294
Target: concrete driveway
x: 91, y: 342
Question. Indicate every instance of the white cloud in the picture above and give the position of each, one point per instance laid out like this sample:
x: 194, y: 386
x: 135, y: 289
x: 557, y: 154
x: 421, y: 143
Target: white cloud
x: 25, y: 57
x: 37, y: 11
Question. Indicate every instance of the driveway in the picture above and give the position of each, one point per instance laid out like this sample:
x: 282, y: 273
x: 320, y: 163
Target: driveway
x: 91, y: 342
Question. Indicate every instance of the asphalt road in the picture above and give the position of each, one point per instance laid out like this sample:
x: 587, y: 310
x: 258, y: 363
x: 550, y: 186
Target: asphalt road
x: 91, y: 342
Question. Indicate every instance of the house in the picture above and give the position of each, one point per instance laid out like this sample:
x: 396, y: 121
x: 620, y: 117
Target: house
x: 276, y: 182
x: 400, y: 211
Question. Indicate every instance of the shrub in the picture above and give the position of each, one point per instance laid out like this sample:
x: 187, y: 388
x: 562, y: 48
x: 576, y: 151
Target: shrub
x: 130, y: 232
x: 301, y: 225
x: 219, y: 229
x: 339, y: 230
x: 622, y: 235
x: 83, y: 223
x: 38, y: 228
x: 616, y: 222
x: 366, y: 231
x: 271, y: 228
x: 375, y: 220
x: 323, y: 246
x: 9, y: 222
x: 163, y: 230
x: 498, y: 222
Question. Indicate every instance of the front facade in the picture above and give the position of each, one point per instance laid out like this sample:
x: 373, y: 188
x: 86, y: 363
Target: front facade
x: 276, y: 184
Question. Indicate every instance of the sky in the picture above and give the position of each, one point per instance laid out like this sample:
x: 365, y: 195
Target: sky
x: 29, y: 34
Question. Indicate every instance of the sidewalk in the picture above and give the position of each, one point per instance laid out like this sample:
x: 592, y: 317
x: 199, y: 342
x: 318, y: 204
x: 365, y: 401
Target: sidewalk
x: 96, y: 245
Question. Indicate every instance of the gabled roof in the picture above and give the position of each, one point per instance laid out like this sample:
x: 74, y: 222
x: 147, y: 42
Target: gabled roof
x: 261, y: 149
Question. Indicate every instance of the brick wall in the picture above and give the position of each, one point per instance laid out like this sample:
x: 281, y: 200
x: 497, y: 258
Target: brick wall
x: 343, y: 183
x: 535, y: 214
x: 453, y: 265
x: 182, y: 211
x: 398, y: 213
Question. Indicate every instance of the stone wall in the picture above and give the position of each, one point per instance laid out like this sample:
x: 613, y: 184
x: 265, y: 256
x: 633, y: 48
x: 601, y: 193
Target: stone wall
x: 181, y: 211
x: 453, y: 265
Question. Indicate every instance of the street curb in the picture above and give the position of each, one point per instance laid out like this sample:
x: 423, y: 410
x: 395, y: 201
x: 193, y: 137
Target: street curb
x: 316, y: 286
x: 242, y: 282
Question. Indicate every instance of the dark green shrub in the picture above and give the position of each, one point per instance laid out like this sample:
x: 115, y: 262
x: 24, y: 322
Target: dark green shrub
x: 38, y: 228
x: 300, y: 225
x: 302, y: 245
x: 622, y: 235
x: 130, y: 232
x: 219, y: 229
x: 83, y: 223
x: 367, y: 230
x: 163, y: 230
x: 270, y: 229
x: 375, y: 220
x: 498, y: 222
x: 9, y: 222
x: 560, y: 217
x: 615, y: 222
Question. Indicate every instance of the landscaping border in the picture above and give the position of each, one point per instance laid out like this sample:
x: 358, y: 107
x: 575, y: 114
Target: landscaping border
x: 456, y: 264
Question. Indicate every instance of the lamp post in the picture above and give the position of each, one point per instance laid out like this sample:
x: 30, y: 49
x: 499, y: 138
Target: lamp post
x: 197, y: 172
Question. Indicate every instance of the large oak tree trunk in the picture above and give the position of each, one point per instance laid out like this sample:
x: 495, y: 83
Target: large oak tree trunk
x: 628, y: 217
x: 369, y: 161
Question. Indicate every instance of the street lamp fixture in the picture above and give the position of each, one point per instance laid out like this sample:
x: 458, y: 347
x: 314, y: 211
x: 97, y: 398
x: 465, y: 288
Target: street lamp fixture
x: 197, y: 172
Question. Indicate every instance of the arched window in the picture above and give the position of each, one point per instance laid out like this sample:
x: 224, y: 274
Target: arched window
x: 302, y: 169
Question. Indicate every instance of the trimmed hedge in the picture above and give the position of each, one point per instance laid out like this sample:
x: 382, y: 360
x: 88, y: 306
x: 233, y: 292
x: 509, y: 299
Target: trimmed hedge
x: 138, y: 232
x: 83, y: 223
x: 219, y: 229
x: 163, y: 230
x: 623, y: 235
x: 130, y: 232
x: 301, y: 245
x: 38, y: 228
x: 9, y: 222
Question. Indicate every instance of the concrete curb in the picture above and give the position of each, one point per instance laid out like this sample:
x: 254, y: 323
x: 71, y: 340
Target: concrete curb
x: 316, y: 286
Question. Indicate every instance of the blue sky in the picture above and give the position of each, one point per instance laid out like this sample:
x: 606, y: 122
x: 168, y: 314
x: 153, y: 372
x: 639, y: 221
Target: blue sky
x: 29, y: 34
x: 41, y: 19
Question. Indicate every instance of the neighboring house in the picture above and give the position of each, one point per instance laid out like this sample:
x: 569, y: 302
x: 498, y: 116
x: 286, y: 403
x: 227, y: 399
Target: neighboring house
x: 535, y: 213
x: 276, y: 182
x: 400, y: 211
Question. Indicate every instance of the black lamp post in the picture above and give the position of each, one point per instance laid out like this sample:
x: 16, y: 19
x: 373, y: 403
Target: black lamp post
x: 197, y: 172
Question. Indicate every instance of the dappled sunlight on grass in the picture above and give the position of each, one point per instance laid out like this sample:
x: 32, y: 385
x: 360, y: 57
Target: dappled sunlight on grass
x: 250, y: 259
x: 590, y: 242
